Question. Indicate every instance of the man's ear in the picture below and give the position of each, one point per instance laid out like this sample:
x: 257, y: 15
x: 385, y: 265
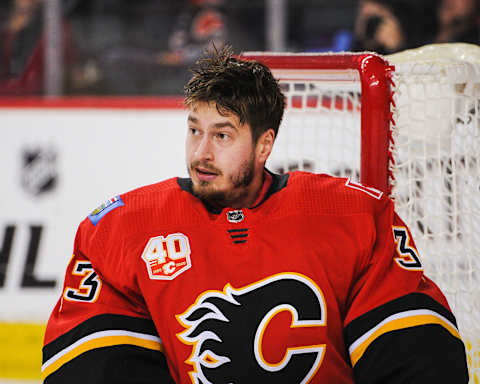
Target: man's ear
x: 265, y: 145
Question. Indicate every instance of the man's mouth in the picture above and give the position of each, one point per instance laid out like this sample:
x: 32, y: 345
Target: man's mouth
x: 205, y: 174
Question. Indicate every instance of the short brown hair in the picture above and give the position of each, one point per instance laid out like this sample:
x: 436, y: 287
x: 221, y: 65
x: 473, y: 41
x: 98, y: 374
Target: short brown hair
x: 245, y: 88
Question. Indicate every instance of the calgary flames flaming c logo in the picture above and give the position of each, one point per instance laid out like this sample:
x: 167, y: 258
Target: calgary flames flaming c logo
x: 267, y: 332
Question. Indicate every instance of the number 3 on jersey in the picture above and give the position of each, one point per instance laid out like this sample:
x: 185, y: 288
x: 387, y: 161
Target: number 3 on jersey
x: 407, y: 255
x: 89, y: 287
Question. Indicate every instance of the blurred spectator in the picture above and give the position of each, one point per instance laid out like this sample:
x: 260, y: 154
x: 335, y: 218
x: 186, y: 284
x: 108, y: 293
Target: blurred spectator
x: 388, y: 26
x: 22, y: 42
x: 21, y: 65
x: 198, y: 26
x: 145, y: 47
x: 116, y: 42
x: 459, y: 21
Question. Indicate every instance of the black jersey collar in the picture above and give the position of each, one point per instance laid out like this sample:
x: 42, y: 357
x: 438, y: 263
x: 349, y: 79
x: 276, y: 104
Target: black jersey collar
x: 278, y: 182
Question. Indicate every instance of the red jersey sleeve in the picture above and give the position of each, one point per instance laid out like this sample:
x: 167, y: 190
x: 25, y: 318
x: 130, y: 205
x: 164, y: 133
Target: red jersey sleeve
x: 99, y: 332
x: 399, y: 327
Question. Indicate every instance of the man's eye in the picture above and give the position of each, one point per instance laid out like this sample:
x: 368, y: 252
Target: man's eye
x: 222, y: 136
x: 193, y: 131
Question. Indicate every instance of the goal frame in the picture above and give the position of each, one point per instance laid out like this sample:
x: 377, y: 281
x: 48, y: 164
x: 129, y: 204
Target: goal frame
x: 377, y: 98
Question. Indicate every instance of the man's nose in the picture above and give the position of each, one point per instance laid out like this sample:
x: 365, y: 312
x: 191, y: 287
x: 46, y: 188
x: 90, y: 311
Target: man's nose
x: 204, y: 149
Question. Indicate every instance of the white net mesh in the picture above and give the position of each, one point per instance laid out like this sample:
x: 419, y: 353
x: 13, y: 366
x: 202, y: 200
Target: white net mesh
x: 321, y: 128
x: 437, y: 178
x: 436, y: 184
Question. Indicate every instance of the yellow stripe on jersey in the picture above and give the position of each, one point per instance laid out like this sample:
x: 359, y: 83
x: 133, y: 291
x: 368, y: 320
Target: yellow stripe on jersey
x: 98, y: 340
x: 396, y: 322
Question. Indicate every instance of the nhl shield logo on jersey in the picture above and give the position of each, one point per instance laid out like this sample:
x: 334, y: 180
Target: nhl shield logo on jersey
x: 235, y: 216
x: 167, y: 257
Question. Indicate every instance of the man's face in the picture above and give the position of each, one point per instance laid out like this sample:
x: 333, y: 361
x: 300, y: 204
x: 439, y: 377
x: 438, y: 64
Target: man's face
x: 221, y: 158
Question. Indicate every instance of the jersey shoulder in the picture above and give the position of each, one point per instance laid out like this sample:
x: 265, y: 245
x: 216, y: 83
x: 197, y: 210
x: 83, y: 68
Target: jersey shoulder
x: 108, y: 233
x: 137, y: 210
x: 139, y: 200
x: 336, y: 195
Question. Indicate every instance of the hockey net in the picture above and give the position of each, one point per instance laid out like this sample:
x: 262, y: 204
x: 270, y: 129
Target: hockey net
x: 407, y: 124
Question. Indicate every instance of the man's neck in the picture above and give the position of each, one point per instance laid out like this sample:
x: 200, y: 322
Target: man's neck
x: 257, y: 191
x: 266, y: 183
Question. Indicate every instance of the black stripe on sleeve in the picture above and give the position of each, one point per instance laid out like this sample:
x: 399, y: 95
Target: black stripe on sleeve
x: 426, y: 354
x: 421, y: 350
x: 96, y: 324
x: 413, y: 301
x: 121, y: 364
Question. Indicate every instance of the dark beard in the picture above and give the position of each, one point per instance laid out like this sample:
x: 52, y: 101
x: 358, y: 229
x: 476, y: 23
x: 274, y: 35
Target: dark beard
x: 240, y: 182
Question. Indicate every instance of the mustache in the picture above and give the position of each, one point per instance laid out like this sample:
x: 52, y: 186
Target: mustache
x: 206, y: 166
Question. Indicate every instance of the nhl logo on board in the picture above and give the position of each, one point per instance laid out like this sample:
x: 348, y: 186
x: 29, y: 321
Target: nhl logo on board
x: 39, y: 173
x: 235, y: 216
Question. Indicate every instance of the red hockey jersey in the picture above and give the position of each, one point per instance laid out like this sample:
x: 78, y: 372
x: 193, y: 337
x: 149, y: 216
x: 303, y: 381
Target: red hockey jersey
x: 319, y: 283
